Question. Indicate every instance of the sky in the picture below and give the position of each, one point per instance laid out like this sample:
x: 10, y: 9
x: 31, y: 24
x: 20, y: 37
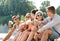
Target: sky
x: 54, y: 3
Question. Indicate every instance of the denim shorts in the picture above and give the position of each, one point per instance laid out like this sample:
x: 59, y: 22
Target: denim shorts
x: 54, y: 35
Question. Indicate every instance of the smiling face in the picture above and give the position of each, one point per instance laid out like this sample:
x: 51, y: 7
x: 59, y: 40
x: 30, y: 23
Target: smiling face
x: 39, y: 16
x: 28, y: 16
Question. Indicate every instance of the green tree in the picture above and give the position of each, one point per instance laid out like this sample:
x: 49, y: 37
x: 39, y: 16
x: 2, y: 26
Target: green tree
x: 9, y: 8
x: 43, y: 7
x: 58, y: 10
x: 14, y: 7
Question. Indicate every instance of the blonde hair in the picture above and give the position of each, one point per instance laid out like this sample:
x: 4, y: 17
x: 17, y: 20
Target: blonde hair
x: 38, y: 12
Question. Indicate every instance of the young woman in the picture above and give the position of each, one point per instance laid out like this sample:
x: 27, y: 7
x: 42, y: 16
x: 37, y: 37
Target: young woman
x: 46, y: 32
x: 38, y: 18
x: 30, y: 25
x: 23, y: 27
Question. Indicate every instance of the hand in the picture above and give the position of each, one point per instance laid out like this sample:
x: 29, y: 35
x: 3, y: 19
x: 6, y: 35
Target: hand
x: 10, y: 24
x: 35, y: 22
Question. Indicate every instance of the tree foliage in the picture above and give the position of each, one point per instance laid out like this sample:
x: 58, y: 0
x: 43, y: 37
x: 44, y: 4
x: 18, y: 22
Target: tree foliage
x: 8, y: 8
x: 14, y: 7
x: 43, y: 7
x: 58, y: 10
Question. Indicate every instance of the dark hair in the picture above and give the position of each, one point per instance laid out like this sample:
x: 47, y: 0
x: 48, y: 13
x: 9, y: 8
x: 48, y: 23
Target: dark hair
x: 51, y: 9
x: 34, y: 11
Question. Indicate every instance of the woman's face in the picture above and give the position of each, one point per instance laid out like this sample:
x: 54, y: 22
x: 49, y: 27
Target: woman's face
x: 27, y: 17
x: 39, y: 17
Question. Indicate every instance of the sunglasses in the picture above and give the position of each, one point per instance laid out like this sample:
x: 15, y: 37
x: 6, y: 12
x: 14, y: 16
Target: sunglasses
x: 39, y: 15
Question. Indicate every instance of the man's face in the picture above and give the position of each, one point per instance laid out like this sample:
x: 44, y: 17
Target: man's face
x: 49, y: 13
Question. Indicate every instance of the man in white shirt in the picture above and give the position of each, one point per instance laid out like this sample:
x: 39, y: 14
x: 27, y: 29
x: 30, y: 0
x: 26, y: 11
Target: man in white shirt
x: 54, y: 23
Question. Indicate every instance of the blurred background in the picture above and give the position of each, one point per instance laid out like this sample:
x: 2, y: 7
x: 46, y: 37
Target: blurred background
x: 8, y: 8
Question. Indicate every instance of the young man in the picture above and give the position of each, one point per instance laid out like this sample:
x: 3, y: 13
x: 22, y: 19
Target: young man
x: 17, y: 23
x: 53, y: 23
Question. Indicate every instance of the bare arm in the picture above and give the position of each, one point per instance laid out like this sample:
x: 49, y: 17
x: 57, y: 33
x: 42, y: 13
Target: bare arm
x: 9, y: 33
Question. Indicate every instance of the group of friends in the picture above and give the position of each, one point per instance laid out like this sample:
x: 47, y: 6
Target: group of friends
x: 35, y: 27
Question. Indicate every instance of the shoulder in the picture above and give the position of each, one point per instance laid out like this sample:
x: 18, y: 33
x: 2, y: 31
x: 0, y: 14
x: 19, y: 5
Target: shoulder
x: 57, y: 17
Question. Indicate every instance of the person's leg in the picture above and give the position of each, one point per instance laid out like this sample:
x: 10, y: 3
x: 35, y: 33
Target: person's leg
x: 31, y: 36
x: 26, y: 34
x: 16, y: 36
x: 45, y: 35
x: 19, y: 36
